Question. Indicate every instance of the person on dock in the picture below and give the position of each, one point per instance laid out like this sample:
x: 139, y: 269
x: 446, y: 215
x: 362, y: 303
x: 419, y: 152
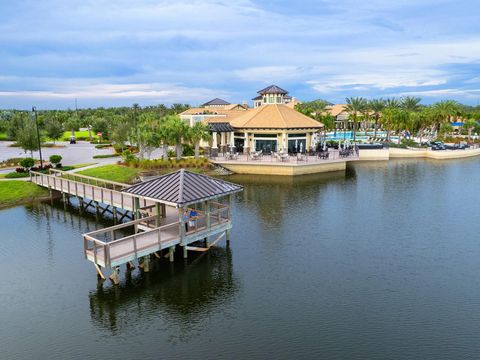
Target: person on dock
x: 185, y: 219
x: 193, y: 218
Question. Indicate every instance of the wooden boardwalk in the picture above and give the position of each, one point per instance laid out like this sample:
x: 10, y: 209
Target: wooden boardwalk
x: 85, y: 187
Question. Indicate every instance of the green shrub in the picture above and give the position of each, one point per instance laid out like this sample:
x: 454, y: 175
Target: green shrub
x: 188, y: 150
x: 16, y: 175
x: 128, y: 157
x: 171, y: 153
x: 27, y: 163
x: 105, y: 156
x: 102, y: 146
x: 55, y: 159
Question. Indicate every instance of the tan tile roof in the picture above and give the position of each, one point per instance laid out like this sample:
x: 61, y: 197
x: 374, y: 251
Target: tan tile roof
x: 276, y: 116
x: 213, y: 111
x: 336, y: 109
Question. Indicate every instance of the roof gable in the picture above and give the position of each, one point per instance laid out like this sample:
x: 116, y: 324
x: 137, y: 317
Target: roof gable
x: 216, y: 101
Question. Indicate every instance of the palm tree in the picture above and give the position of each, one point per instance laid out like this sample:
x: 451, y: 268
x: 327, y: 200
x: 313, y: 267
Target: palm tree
x: 377, y: 106
x: 199, y: 132
x: 176, y: 131
x: 392, y: 103
x: 447, y: 109
x: 410, y: 103
x: 366, y: 111
x: 355, y: 105
x: 470, y: 125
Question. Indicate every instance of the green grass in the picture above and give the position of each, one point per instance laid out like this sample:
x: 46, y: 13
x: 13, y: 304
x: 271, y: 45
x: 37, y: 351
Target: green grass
x: 3, y: 136
x: 80, y: 135
x: 105, y: 156
x: 112, y: 172
x: 14, y: 192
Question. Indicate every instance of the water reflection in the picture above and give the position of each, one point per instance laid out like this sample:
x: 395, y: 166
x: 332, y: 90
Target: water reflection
x: 271, y: 197
x: 176, y: 291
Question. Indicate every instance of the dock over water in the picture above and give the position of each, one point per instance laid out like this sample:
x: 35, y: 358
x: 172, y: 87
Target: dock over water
x: 177, y: 209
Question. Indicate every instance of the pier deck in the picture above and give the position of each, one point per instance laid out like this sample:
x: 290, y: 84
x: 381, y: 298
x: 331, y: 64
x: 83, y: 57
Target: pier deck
x: 159, y: 207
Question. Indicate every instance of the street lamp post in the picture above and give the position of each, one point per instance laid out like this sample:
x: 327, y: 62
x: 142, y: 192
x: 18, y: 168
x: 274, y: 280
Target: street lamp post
x: 34, y: 109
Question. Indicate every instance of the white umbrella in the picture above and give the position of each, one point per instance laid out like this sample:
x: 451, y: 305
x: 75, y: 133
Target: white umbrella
x: 301, y: 147
x: 324, y: 146
x: 296, y: 145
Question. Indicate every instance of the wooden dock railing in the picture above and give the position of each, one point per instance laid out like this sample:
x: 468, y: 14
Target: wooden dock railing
x: 106, y: 192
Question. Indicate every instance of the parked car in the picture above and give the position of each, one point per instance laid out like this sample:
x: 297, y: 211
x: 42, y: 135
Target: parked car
x: 73, y: 140
x: 437, y: 145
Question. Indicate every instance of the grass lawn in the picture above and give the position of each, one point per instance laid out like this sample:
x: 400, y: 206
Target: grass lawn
x: 80, y: 135
x: 112, y: 172
x: 3, y: 136
x: 14, y: 192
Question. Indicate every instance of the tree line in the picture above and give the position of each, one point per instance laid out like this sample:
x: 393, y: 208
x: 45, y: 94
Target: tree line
x: 146, y: 128
x: 397, y: 115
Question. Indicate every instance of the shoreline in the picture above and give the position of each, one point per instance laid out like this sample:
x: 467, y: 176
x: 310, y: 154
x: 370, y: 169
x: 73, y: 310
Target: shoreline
x: 399, y: 153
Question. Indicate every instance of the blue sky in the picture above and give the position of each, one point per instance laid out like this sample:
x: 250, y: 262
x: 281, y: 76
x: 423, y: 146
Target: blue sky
x: 107, y: 53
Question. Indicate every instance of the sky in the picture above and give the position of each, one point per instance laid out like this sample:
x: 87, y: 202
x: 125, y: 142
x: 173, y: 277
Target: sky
x: 116, y: 53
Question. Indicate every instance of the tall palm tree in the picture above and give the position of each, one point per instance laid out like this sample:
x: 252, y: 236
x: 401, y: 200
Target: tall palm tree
x: 446, y: 110
x: 392, y: 103
x: 470, y: 125
x: 377, y: 106
x: 355, y: 105
x: 199, y: 132
x: 176, y: 132
x: 410, y: 103
x: 366, y: 112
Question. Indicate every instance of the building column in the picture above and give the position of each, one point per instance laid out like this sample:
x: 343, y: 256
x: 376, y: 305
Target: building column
x: 232, y: 139
x: 246, y: 144
x: 284, y: 141
x: 214, y: 151
x: 222, y: 141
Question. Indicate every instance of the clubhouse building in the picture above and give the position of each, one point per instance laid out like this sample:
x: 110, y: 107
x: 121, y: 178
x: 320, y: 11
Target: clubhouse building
x: 271, y: 125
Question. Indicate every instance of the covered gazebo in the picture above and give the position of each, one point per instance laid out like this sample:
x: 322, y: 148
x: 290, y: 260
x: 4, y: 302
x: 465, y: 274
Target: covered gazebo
x: 173, y: 209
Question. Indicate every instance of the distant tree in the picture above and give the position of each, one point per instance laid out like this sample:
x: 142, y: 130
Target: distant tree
x: 410, y: 103
x: 54, y: 128
x: 101, y: 125
x: 392, y: 103
x: 355, y: 106
x: 27, y: 136
x: 121, y: 134
x: 178, y: 108
x: 71, y: 124
x: 16, y: 124
x: 470, y: 125
x: 377, y: 106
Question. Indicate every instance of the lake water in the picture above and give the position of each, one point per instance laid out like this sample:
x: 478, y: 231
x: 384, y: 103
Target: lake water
x: 380, y: 262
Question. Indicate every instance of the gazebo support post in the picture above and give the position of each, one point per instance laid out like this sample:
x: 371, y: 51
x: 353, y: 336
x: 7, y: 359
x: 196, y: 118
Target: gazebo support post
x: 171, y: 251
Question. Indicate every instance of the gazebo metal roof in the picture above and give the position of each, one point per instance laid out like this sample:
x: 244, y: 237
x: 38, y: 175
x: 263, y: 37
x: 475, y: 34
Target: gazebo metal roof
x: 216, y: 101
x: 220, y: 127
x: 182, y: 188
x: 272, y: 89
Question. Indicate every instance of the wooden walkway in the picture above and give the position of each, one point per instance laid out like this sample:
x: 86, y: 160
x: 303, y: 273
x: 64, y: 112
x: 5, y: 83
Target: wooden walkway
x: 86, y: 187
